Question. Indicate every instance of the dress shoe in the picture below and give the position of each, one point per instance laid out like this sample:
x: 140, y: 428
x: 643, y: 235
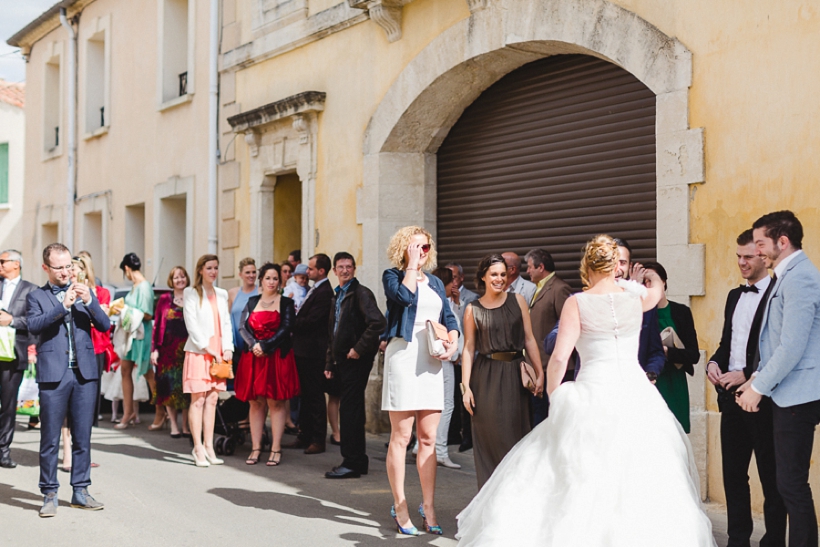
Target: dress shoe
x: 49, y: 508
x: 334, y: 442
x: 342, y: 472
x: 298, y: 443
x: 83, y: 500
x: 448, y: 463
x: 198, y: 462
x: 315, y: 448
x: 7, y: 462
x: 465, y: 446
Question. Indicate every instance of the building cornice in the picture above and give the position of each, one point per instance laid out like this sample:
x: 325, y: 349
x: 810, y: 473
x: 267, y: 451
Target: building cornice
x: 307, y: 101
x: 47, y: 22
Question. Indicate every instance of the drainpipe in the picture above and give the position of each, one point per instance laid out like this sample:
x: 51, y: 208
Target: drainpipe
x: 213, y: 127
x: 71, y: 186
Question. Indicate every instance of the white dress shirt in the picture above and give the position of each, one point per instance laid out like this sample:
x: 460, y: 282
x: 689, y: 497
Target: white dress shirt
x: 9, y: 286
x: 742, y: 320
x: 778, y: 271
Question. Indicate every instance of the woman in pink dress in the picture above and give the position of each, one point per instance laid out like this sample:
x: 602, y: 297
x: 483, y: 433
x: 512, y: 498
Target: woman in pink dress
x: 267, y: 375
x: 210, y: 337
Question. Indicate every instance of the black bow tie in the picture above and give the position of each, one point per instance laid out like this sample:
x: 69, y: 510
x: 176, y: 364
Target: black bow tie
x: 749, y: 288
x: 57, y: 290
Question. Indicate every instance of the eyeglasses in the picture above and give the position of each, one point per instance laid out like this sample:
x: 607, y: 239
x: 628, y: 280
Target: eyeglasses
x: 61, y: 268
x: 4, y: 260
x: 426, y: 248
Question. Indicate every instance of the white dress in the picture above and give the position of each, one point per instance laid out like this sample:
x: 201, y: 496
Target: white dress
x: 610, y: 467
x: 412, y: 378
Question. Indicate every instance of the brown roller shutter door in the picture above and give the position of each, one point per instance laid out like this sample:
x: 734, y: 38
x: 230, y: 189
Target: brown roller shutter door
x: 552, y: 154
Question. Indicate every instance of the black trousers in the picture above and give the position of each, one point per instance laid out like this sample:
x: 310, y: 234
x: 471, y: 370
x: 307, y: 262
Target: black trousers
x: 741, y: 434
x: 465, y: 420
x: 10, y: 379
x: 353, y: 375
x: 313, y: 408
x: 793, y: 440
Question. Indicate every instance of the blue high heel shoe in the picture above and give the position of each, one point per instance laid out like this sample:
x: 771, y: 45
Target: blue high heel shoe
x: 412, y: 531
x: 436, y: 530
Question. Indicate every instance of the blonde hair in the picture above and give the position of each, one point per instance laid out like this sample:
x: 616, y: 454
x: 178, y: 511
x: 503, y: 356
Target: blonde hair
x: 88, y: 267
x: 184, y: 272
x: 204, y: 259
x: 600, y: 255
x: 400, y: 241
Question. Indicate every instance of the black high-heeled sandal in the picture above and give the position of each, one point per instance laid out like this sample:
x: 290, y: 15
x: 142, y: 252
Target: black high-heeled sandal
x: 272, y: 460
x: 254, y: 461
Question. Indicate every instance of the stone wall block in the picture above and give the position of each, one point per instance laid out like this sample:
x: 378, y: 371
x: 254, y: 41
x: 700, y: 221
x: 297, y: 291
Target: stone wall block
x: 671, y: 201
x: 672, y: 112
x: 679, y: 158
x: 230, y: 36
x: 229, y: 175
x: 227, y: 258
x: 230, y: 234
x: 227, y: 87
x: 687, y: 261
x: 227, y: 206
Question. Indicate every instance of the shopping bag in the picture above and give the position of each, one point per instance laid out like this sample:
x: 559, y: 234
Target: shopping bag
x: 7, y: 335
x: 28, y: 398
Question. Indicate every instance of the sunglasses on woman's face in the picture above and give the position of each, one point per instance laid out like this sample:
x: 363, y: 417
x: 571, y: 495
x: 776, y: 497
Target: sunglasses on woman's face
x: 426, y: 248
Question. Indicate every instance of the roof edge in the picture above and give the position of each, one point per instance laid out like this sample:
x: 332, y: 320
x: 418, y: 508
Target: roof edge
x: 22, y: 38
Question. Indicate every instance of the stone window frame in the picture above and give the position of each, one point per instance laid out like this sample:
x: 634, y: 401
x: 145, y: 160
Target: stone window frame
x: 268, y: 132
x: 162, y: 104
x: 53, y: 50
x: 98, y: 202
x: 174, y: 187
x: 97, y: 26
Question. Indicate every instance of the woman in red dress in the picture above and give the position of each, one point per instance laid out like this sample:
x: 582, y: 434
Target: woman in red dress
x: 266, y: 376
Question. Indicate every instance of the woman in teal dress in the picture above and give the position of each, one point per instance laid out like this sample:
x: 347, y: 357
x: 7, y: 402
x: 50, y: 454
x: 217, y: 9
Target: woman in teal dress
x: 680, y: 361
x: 141, y: 297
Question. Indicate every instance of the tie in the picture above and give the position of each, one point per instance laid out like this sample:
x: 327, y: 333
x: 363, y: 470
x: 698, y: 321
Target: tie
x: 749, y: 288
x: 59, y: 292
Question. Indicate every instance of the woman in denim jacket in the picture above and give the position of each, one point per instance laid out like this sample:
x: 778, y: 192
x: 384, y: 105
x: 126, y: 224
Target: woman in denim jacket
x: 413, y: 387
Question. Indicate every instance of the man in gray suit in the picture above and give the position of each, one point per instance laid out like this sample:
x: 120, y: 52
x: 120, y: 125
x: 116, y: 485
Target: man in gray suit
x: 789, y: 370
x: 13, y: 292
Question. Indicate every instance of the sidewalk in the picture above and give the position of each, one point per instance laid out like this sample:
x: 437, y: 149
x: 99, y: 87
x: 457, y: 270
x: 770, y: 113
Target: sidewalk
x: 155, y: 496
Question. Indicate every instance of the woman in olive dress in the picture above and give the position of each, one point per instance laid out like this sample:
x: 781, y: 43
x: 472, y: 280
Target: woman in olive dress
x: 498, y: 327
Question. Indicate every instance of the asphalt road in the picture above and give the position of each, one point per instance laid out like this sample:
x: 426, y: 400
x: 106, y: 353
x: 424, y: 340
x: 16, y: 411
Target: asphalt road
x: 154, y: 495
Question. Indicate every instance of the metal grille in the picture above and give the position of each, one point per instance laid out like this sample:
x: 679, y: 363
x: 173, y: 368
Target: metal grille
x: 552, y: 154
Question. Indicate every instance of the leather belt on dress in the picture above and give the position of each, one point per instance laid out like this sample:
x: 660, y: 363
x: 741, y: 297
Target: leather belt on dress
x: 505, y: 355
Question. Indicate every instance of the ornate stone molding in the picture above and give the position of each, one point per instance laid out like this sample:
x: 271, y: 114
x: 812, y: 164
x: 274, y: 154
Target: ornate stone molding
x: 252, y: 140
x: 307, y: 101
x: 385, y: 13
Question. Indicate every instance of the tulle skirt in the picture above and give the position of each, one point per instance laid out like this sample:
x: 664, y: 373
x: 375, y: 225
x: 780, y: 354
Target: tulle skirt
x: 610, y: 467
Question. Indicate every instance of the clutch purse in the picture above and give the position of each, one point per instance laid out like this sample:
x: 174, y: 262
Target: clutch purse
x: 528, y: 378
x: 221, y: 369
x: 436, y: 336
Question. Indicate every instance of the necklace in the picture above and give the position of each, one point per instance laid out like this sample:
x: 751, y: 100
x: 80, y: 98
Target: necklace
x: 268, y: 304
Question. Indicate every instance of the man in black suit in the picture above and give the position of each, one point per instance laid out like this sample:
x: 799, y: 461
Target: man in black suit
x: 310, y: 348
x: 62, y: 314
x: 356, y: 323
x: 742, y: 433
x: 13, y: 292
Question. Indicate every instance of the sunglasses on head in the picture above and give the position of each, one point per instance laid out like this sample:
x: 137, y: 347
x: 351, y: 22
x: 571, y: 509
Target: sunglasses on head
x: 426, y: 248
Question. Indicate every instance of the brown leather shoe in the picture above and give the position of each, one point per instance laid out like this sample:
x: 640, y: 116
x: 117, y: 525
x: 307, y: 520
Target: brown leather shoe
x: 315, y: 448
x: 298, y: 443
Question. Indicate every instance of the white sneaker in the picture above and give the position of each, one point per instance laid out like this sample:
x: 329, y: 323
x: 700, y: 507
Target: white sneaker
x: 447, y: 462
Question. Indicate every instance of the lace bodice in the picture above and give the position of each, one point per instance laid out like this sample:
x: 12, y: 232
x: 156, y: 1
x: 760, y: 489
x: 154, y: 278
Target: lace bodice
x: 610, y: 332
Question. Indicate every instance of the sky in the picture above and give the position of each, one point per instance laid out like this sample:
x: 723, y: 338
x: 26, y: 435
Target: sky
x: 14, y: 15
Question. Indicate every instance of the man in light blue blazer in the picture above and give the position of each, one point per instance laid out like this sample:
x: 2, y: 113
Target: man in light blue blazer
x: 789, y: 370
x: 61, y: 314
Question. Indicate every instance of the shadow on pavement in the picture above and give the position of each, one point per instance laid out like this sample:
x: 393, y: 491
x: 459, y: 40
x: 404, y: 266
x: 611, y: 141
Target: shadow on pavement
x: 12, y: 497
x: 139, y: 452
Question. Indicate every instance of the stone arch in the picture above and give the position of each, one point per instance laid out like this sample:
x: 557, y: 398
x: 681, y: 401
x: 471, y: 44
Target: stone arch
x: 431, y: 93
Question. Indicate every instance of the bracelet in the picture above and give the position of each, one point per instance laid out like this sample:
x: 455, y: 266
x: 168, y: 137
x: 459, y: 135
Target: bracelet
x: 411, y: 269
x: 463, y: 389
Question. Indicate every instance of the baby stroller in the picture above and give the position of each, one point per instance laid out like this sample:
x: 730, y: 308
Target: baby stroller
x: 232, y: 425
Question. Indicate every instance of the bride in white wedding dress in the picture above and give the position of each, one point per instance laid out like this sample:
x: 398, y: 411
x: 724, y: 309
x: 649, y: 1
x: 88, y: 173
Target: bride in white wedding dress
x: 611, y: 466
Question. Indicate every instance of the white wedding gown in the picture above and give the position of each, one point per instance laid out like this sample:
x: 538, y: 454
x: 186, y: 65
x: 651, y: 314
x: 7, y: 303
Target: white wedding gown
x: 610, y: 467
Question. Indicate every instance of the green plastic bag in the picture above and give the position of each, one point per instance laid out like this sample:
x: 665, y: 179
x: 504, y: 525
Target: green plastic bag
x: 28, y: 398
x: 7, y: 343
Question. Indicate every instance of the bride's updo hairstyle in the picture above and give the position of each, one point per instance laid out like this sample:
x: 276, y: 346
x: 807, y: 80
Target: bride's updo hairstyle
x: 600, y: 255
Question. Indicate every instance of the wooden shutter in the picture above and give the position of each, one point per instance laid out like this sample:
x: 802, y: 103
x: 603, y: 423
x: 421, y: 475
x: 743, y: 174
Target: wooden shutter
x: 552, y: 154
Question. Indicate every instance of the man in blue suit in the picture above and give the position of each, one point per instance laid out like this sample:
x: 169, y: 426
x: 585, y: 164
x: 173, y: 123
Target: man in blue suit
x: 62, y: 313
x: 789, y: 370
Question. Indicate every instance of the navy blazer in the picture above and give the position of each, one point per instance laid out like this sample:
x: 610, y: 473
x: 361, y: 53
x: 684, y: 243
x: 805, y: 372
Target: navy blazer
x: 402, y: 304
x: 45, y: 315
